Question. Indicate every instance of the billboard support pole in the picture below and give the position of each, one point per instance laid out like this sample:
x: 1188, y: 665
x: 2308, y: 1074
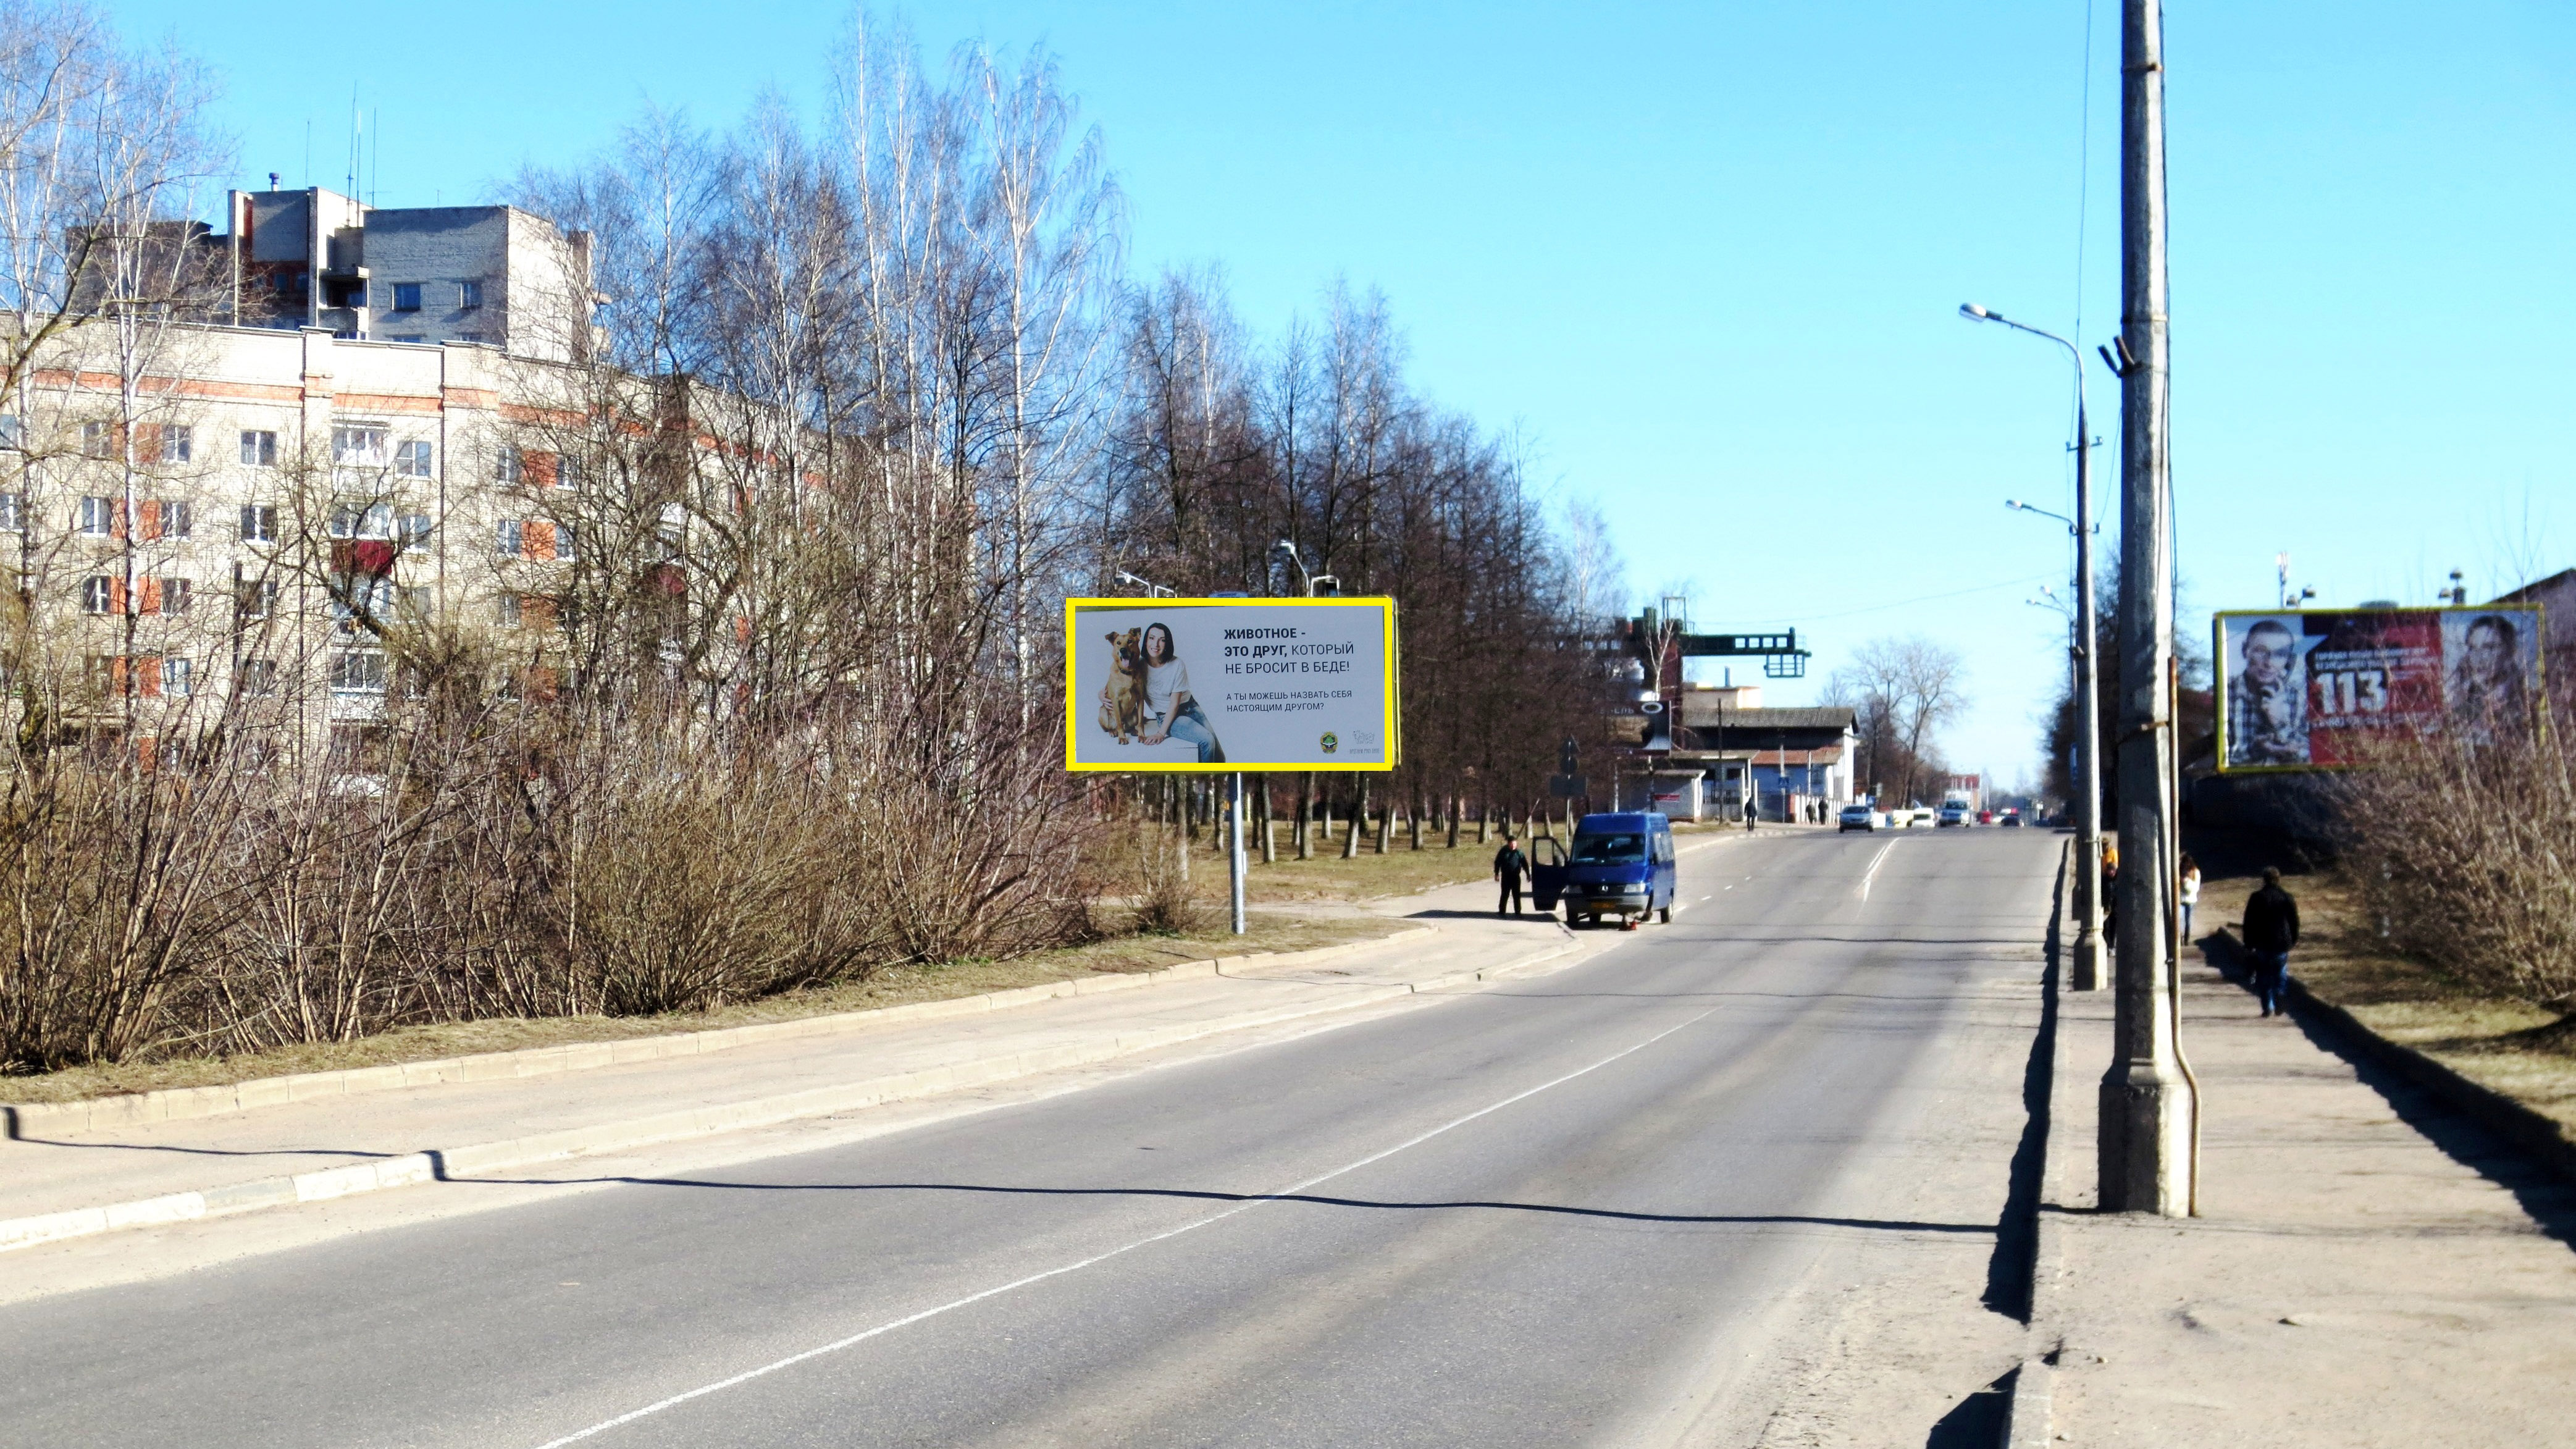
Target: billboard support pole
x: 1234, y: 846
x: 2147, y: 1104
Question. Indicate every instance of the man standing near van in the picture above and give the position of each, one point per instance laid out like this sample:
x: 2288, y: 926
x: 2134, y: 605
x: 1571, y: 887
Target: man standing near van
x: 1509, y: 865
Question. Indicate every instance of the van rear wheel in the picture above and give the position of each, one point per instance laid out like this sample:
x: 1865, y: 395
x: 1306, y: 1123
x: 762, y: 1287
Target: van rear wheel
x: 1668, y: 915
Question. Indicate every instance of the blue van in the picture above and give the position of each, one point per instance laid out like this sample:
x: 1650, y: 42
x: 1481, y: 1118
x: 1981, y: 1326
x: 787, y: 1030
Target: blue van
x: 1619, y: 865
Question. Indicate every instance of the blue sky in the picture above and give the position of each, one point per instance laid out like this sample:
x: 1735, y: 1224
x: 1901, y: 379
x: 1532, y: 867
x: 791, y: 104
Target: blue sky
x: 1706, y: 257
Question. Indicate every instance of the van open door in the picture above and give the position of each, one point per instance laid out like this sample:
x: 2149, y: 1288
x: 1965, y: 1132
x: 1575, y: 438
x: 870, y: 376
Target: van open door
x: 1547, y: 871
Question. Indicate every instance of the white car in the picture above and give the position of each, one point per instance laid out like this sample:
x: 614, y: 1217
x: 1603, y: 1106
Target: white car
x: 1861, y: 817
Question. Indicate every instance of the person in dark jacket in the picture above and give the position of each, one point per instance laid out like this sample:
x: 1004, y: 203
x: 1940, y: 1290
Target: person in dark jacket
x: 1509, y: 864
x: 2271, y: 929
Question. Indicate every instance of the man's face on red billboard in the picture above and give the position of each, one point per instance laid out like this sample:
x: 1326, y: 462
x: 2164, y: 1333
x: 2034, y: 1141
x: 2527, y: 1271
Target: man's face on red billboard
x: 2268, y: 650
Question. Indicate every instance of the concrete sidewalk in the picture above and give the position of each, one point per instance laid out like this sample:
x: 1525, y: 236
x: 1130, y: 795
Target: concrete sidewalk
x: 70, y: 1181
x: 2368, y: 1267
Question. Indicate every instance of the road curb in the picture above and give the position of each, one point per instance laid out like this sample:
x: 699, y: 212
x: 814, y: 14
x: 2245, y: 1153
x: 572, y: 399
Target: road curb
x: 442, y: 1164
x: 2028, y: 1413
x: 181, y: 1104
x: 2535, y: 1134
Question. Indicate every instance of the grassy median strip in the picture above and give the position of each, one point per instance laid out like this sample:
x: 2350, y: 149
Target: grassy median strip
x: 2497, y: 1042
x: 896, y: 986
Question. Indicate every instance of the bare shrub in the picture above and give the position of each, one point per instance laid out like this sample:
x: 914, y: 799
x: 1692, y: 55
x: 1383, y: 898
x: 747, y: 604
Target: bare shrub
x: 2466, y: 854
x: 1165, y: 902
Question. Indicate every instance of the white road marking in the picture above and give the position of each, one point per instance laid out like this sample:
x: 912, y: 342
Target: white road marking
x: 1265, y: 1199
x: 1875, y: 862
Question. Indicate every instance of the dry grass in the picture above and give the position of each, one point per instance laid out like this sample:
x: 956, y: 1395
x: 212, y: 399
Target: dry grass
x: 895, y: 986
x: 2495, y: 1041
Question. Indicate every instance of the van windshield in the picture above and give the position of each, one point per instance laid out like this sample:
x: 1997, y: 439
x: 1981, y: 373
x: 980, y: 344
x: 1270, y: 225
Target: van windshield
x: 1622, y: 849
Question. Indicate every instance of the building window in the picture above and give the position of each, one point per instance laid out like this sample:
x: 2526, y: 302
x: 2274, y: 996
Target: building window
x: 411, y: 460
x: 506, y: 465
x: 411, y: 337
x: 176, y: 676
x: 178, y: 444
x: 258, y: 449
x: 564, y: 549
x: 509, y: 611
x: 567, y: 472
x: 98, y: 440
x: 13, y: 513
x: 363, y: 520
x: 176, y: 595
x: 97, y: 517
x: 406, y: 299
x: 10, y: 435
x: 98, y: 594
x: 469, y: 295
x: 358, y: 671
x: 255, y: 676
x: 416, y: 529
x: 361, y: 601
x: 358, y: 447
x: 259, y: 523
x: 506, y: 538
x: 418, y: 604
x: 167, y: 518
x: 257, y: 599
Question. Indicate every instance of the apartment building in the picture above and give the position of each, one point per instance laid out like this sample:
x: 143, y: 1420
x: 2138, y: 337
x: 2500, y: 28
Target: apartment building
x: 425, y: 274
x: 247, y: 532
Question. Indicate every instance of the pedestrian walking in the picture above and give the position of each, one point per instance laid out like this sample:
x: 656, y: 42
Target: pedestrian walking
x: 2111, y: 891
x: 2271, y: 929
x: 1509, y: 866
x: 1752, y: 812
x: 2189, y: 894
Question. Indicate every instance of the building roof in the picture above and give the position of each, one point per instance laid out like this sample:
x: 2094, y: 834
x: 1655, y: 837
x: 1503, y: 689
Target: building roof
x: 1792, y: 759
x: 1701, y: 715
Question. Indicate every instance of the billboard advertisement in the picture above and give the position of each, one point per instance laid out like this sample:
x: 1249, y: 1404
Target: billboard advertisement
x: 2315, y: 689
x: 1230, y: 684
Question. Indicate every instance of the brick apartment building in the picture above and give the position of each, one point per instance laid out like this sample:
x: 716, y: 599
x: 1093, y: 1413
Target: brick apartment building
x: 382, y: 426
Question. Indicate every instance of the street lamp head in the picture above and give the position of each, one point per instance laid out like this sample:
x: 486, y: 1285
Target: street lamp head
x: 2015, y: 503
x: 1975, y: 313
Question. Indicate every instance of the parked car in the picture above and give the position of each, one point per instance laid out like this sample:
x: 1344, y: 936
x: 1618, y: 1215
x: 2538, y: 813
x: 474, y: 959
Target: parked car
x: 1952, y: 815
x: 1861, y: 817
x: 1619, y: 865
x: 2012, y: 820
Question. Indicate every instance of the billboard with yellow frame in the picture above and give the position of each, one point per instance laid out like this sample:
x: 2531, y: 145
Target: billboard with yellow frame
x: 1231, y: 684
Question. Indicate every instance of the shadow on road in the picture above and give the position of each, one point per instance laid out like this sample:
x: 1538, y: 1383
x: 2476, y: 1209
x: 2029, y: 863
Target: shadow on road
x: 1977, y: 1421
x: 2010, y: 1268
x: 1211, y: 1195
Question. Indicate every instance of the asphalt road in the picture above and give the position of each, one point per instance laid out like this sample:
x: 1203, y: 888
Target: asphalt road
x: 1588, y: 1208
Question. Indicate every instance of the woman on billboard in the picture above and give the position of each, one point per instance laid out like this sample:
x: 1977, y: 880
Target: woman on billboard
x: 1170, y: 709
x: 2486, y: 688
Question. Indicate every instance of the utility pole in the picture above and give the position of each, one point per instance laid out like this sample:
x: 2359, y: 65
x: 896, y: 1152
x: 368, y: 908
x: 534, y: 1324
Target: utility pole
x: 2147, y: 1102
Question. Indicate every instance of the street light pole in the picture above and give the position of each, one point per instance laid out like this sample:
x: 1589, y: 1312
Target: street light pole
x: 2086, y: 968
x: 2147, y: 1102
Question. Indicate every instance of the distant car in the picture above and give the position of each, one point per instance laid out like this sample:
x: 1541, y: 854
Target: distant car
x: 1861, y: 817
x: 1985, y: 817
x: 2012, y: 821
x: 1952, y: 815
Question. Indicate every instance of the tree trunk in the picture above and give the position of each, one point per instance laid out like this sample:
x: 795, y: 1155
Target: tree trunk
x: 1269, y: 839
x: 1306, y: 816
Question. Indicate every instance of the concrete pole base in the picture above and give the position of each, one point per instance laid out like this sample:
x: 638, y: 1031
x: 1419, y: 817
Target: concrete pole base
x: 2146, y: 1161
x: 2085, y: 967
